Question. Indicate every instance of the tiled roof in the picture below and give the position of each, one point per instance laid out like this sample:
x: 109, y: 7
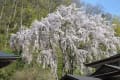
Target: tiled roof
x: 8, y: 56
x: 6, y: 59
x: 106, y: 71
x: 71, y: 77
x: 99, y: 63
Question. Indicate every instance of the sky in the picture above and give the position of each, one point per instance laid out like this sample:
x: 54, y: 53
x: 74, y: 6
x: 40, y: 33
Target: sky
x: 111, y: 6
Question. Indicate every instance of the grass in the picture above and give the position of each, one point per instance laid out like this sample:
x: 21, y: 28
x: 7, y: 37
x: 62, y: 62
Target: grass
x: 33, y: 73
x: 18, y: 70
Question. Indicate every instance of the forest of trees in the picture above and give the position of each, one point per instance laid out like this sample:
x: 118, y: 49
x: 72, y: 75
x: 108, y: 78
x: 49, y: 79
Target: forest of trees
x: 15, y: 14
x: 18, y: 14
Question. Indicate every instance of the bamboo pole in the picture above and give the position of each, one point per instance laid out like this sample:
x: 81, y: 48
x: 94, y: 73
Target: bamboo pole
x: 21, y: 13
x: 1, y: 16
x: 8, y: 25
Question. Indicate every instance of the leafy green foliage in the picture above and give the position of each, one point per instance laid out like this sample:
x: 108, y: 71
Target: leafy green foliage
x: 102, y: 47
x: 7, y: 72
x: 60, y: 62
x: 82, y: 45
x: 116, y: 21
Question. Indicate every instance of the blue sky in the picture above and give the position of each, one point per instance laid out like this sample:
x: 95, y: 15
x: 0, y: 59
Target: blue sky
x: 111, y: 6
